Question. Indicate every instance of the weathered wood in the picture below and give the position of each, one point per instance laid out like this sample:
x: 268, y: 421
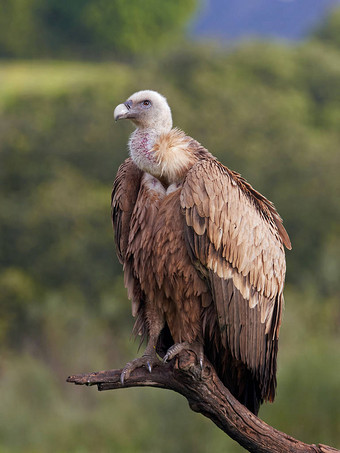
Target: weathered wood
x: 207, y: 395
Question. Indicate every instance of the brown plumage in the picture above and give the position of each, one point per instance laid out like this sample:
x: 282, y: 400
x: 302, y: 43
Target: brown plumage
x: 202, y: 252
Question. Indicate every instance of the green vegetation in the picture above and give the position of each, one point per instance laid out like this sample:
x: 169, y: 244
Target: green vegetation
x: 329, y: 31
x: 54, y: 28
x: 270, y: 112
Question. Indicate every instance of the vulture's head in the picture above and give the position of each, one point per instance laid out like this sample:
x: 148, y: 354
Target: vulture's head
x: 147, y: 109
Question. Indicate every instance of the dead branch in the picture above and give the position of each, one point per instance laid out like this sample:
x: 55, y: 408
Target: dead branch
x: 207, y: 395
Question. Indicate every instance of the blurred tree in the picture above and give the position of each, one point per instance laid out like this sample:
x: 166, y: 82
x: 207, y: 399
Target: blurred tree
x: 329, y: 31
x: 53, y: 28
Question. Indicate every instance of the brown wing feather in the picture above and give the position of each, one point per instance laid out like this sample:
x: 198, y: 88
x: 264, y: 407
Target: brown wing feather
x: 123, y: 198
x: 125, y: 192
x: 234, y: 239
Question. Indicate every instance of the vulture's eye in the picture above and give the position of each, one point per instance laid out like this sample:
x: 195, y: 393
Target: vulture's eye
x: 146, y: 103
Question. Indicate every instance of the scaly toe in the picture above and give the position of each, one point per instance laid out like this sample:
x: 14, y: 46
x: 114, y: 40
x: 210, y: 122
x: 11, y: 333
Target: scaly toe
x: 147, y: 360
x: 173, y: 351
x: 196, y: 347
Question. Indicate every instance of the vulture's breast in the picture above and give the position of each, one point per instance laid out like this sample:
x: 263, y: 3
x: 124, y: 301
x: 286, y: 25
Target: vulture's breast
x: 162, y: 263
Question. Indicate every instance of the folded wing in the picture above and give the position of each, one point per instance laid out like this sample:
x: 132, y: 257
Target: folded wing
x: 235, y: 238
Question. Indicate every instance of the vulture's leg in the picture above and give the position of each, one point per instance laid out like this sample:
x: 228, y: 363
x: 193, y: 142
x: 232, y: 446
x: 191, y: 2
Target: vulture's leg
x: 149, y: 358
x: 196, y: 347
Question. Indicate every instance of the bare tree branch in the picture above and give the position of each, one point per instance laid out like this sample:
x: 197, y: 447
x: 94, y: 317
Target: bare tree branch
x: 207, y: 395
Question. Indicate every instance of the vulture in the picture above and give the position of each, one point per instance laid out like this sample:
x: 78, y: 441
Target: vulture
x: 202, y: 253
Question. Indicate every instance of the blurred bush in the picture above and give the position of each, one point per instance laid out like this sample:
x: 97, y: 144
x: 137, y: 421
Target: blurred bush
x: 91, y: 29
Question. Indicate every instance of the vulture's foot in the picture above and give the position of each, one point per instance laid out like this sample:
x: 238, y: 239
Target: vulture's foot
x: 149, y: 360
x: 196, y: 347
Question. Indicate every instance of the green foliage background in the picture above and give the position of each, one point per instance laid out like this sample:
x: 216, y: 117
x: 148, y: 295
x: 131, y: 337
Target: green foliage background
x: 90, y: 29
x: 266, y: 110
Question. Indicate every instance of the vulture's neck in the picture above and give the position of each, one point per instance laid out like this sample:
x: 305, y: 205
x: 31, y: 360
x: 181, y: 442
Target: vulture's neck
x: 165, y: 155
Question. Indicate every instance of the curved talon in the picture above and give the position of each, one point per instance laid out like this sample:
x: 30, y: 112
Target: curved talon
x: 123, y: 375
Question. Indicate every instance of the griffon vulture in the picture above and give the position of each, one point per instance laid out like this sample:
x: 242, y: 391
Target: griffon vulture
x: 202, y: 252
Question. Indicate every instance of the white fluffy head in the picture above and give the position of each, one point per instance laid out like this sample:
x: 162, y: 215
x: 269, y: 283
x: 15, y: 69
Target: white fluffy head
x: 148, y: 110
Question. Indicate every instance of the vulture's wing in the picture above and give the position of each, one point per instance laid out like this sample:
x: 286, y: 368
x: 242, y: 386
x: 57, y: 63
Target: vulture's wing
x: 235, y: 238
x: 123, y: 198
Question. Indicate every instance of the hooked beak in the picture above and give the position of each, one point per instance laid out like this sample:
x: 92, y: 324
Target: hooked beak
x: 122, y: 111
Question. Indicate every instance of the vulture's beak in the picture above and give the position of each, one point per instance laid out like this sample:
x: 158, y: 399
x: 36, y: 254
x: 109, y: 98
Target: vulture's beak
x: 123, y: 111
